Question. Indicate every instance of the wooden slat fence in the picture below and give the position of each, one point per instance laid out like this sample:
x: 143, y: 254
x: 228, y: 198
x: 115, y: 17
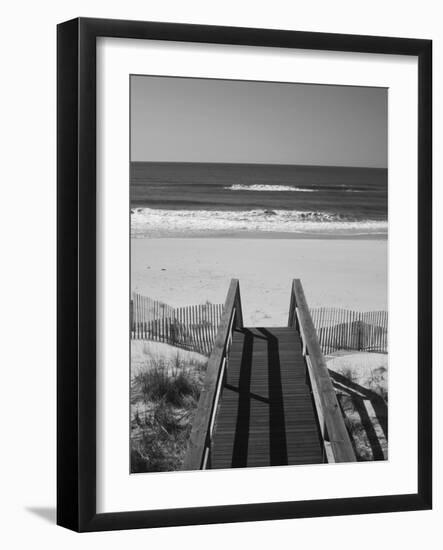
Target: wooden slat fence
x: 343, y: 329
x: 193, y: 328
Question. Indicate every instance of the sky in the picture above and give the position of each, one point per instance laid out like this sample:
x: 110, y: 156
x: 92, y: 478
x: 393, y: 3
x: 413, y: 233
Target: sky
x: 205, y: 120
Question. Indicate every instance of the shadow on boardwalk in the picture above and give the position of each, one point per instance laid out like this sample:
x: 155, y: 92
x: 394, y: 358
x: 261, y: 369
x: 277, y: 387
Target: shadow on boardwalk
x: 266, y: 416
x: 274, y: 401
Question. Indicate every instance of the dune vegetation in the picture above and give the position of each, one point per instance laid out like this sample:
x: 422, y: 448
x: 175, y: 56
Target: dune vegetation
x: 361, y: 382
x: 165, y: 388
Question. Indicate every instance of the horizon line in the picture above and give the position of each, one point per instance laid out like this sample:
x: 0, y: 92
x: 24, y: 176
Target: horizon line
x: 259, y: 163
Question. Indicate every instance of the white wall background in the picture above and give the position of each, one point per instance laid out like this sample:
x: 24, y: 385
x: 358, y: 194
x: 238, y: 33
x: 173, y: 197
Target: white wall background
x: 27, y: 288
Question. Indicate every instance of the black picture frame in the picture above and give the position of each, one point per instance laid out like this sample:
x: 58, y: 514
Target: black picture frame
x: 76, y: 265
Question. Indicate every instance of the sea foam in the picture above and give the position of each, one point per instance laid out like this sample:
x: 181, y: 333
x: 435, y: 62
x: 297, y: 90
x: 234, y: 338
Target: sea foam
x: 264, y: 187
x: 147, y: 222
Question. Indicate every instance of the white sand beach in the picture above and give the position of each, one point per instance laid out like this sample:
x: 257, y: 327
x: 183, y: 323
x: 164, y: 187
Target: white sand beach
x: 144, y: 352
x: 347, y: 273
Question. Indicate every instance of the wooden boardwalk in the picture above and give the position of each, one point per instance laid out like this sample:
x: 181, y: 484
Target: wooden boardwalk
x: 267, y: 399
x: 266, y: 416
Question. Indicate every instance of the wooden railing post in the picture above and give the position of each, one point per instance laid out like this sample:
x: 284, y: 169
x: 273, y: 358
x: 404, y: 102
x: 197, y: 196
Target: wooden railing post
x: 238, y: 319
x: 291, y: 310
x: 131, y: 317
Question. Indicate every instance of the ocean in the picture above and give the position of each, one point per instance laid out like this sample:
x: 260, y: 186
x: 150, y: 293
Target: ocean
x: 208, y: 199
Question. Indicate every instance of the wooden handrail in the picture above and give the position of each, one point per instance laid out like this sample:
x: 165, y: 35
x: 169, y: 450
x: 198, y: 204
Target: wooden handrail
x: 199, y: 445
x: 338, y: 446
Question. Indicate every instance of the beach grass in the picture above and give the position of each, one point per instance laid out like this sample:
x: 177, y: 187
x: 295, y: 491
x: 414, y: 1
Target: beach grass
x: 164, y: 397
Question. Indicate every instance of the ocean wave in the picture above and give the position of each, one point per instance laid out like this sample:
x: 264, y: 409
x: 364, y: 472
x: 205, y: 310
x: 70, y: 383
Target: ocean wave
x: 147, y: 222
x: 265, y: 187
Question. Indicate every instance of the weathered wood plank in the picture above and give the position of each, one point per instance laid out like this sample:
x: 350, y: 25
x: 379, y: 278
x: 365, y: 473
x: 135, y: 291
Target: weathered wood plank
x: 327, y: 403
x: 266, y: 416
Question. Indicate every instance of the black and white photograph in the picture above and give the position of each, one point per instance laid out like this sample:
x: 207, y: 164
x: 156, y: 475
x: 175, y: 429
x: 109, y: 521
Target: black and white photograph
x: 221, y: 265
x: 258, y: 273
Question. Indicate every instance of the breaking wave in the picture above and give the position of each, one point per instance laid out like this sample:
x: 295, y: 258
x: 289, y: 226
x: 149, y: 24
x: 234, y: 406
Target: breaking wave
x: 146, y: 222
x: 264, y: 187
